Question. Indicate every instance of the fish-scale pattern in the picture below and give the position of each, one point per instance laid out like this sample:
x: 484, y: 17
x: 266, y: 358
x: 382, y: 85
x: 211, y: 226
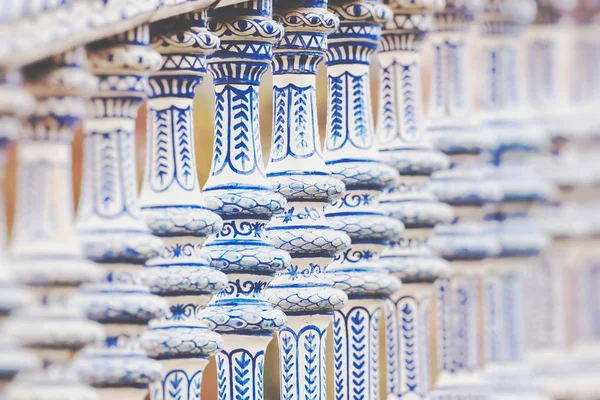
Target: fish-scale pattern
x: 373, y: 227
x: 181, y: 341
x: 248, y: 202
x: 373, y: 282
x: 306, y: 299
x: 236, y: 318
x: 181, y: 220
x: 313, y: 188
x: 181, y: 280
x: 368, y: 174
x: 246, y: 257
x: 305, y: 240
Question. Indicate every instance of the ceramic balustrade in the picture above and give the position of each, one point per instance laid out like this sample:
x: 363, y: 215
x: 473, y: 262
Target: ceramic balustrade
x: 404, y: 144
x: 172, y: 206
x: 239, y: 191
x: 298, y: 172
x: 351, y: 154
x: 333, y: 210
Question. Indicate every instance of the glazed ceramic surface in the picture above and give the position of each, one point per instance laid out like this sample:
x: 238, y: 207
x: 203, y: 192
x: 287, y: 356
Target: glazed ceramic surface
x: 350, y: 153
x: 298, y: 172
x: 173, y: 208
x: 238, y: 190
x: 109, y: 220
x: 404, y: 144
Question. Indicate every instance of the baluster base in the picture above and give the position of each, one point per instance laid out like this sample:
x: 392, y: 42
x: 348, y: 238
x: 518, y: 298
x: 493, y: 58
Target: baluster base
x: 240, y: 367
x: 407, y: 342
x: 302, y: 357
x: 356, y: 349
x: 182, y: 380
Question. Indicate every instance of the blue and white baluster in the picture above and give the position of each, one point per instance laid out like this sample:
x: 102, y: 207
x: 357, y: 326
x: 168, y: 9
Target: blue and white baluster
x: 238, y: 190
x: 507, y: 372
x: 45, y: 252
x: 172, y: 205
x: 299, y: 173
x: 109, y: 219
x: 15, y: 105
x: 352, y: 156
x: 404, y: 144
x: 465, y: 243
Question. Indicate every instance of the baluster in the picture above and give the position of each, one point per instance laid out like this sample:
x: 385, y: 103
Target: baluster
x: 507, y: 372
x: 465, y: 245
x: 173, y: 207
x: 238, y: 190
x: 16, y: 105
x: 352, y: 156
x: 299, y: 173
x: 45, y: 251
x: 109, y: 220
x: 404, y: 144
x: 457, y: 130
